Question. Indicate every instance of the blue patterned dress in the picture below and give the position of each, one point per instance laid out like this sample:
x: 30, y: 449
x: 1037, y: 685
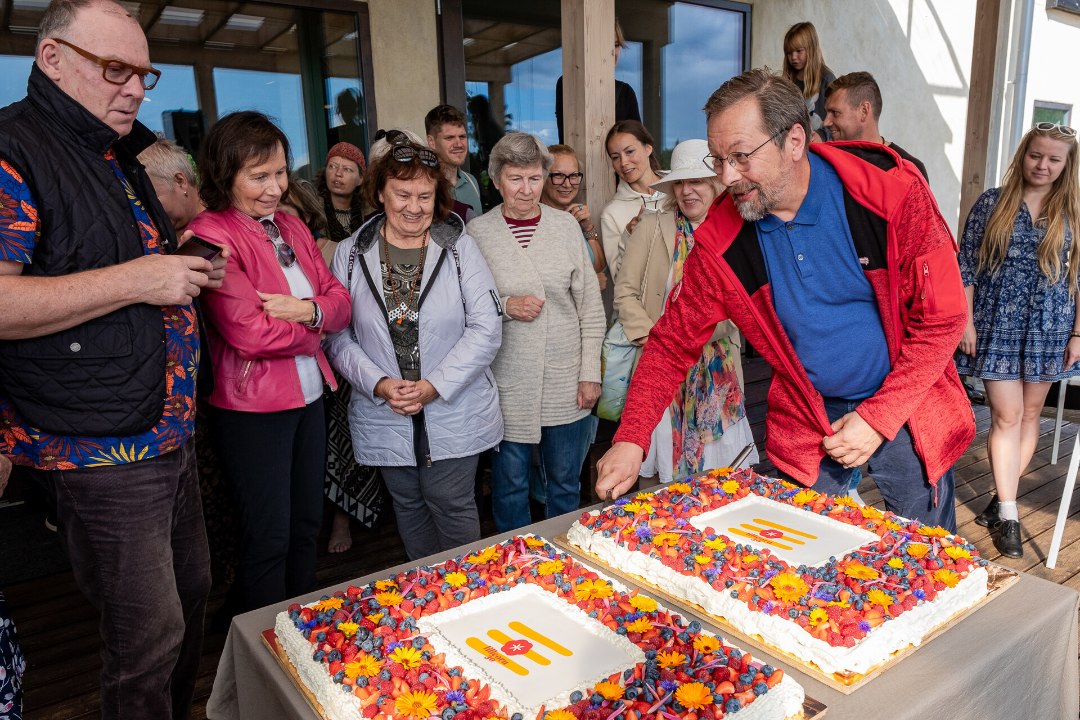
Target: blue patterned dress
x: 1022, y: 321
x: 12, y: 667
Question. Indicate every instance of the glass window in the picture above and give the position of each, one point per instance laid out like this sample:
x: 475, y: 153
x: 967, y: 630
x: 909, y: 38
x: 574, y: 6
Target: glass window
x: 15, y: 68
x: 1059, y: 113
x: 174, y: 92
x: 279, y: 95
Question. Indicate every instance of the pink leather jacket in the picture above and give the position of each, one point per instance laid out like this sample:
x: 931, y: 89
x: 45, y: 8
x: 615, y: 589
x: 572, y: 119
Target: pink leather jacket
x: 254, y: 355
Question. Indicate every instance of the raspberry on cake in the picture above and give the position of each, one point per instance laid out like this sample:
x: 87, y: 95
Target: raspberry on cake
x: 519, y: 631
x: 826, y: 580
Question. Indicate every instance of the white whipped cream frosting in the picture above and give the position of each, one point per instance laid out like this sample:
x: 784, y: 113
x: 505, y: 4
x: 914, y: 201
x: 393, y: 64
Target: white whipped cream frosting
x: 889, y: 637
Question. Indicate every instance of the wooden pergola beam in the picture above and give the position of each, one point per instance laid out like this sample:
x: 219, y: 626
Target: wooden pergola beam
x: 589, y: 91
x: 984, y: 51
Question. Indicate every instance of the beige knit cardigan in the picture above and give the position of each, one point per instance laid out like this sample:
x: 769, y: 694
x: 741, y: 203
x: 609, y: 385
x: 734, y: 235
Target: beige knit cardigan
x: 541, y: 362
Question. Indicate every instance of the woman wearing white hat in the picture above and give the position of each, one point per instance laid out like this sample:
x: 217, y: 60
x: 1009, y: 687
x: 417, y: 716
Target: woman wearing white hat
x: 706, y: 426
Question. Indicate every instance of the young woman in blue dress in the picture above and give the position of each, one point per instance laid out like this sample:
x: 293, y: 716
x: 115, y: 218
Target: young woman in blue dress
x: 1019, y: 260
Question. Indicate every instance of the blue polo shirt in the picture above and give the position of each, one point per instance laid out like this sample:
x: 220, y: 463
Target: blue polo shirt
x: 824, y: 301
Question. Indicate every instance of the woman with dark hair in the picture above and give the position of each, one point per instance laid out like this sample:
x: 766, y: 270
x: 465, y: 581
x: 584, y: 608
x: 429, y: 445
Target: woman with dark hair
x: 265, y: 325
x: 425, y: 327
x: 341, y: 184
x: 630, y: 148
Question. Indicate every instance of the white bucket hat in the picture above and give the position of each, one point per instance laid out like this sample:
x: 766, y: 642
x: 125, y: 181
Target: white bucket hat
x: 687, y: 163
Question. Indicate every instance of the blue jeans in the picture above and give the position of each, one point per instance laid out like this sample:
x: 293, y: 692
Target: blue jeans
x: 899, y: 474
x: 562, y: 452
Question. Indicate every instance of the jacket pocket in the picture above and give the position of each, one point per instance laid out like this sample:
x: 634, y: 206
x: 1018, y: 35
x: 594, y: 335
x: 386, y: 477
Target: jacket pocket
x: 243, y: 377
x: 939, y: 289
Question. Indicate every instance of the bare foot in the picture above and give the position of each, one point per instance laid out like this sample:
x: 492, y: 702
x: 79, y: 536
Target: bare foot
x: 340, y: 537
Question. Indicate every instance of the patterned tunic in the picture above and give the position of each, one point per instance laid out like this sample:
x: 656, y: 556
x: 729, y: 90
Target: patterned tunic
x: 12, y: 667
x: 1022, y: 321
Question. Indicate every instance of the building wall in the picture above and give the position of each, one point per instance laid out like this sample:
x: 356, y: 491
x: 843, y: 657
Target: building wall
x: 405, y: 61
x: 919, y: 51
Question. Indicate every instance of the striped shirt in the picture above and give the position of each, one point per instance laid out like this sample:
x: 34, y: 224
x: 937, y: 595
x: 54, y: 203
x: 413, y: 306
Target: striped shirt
x: 523, y: 230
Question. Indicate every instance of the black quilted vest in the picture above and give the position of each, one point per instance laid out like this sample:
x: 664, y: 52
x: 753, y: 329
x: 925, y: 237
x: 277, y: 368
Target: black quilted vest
x: 105, y: 377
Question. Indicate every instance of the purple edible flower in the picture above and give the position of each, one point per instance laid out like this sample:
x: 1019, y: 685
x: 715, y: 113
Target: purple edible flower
x: 767, y: 608
x: 919, y: 594
x: 668, y: 685
x: 455, y: 696
x: 864, y: 626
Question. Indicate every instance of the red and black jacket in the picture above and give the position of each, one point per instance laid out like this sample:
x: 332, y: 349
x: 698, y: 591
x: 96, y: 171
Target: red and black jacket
x: 909, y: 256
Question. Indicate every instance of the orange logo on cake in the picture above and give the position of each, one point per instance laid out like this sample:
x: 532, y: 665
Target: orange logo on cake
x: 768, y: 532
x: 516, y: 647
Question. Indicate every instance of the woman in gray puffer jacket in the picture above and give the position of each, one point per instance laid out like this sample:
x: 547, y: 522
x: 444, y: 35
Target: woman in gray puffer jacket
x: 426, y: 326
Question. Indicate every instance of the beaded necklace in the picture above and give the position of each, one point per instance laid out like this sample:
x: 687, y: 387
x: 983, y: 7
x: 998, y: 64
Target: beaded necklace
x: 395, y: 284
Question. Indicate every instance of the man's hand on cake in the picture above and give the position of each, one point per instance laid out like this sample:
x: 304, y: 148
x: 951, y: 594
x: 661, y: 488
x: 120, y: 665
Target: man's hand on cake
x: 854, y: 440
x: 618, y: 470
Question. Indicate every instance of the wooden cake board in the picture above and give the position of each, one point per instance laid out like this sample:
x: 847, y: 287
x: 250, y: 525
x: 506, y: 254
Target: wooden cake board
x: 1000, y: 579
x: 812, y: 709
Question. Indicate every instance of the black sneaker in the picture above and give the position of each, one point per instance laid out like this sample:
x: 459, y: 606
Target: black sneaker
x: 989, y: 516
x: 1006, y: 537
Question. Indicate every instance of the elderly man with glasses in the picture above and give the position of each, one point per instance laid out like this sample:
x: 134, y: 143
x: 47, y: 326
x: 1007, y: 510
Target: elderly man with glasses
x: 837, y: 266
x: 99, y: 349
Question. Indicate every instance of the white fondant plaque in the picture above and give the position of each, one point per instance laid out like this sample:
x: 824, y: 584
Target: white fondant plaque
x: 794, y: 535
x: 531, y: 644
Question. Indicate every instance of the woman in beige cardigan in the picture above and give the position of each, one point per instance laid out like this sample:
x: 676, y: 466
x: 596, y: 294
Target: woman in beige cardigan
x: 548, y: 369
x: 706, y: 425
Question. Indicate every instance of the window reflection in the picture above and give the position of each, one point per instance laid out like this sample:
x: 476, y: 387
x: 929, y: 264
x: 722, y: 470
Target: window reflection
x: 175, y: 92
x: 277, y: 94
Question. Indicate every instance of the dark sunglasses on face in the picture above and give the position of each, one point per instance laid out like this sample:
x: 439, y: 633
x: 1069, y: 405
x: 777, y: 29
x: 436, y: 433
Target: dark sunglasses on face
x: 573, y: 178
x: 116, y: 71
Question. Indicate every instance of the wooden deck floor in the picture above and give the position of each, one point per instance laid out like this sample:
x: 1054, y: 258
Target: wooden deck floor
x: 58, y: 630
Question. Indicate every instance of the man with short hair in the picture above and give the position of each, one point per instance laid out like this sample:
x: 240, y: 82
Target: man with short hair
x: 99, y: 350
x: 852, y: 112
x: 447, y: 136
x: 837, y: 266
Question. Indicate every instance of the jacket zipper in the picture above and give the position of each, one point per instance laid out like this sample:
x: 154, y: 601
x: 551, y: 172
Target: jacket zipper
x: 245, y: 372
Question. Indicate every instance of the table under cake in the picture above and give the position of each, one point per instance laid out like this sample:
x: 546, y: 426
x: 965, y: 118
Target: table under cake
x: 1014, y: 657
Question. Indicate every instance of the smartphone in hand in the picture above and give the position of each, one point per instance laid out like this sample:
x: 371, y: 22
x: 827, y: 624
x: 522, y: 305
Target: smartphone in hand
x: 198, y: 247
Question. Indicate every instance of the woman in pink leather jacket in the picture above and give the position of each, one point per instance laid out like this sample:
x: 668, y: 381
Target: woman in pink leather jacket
x: 265, y: 327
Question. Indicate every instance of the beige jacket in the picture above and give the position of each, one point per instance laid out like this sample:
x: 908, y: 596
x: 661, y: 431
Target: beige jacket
x: 641, y: 290
x: 541, y: 362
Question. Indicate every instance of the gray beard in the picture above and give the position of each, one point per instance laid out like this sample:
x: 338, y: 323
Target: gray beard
x: 754, y: 210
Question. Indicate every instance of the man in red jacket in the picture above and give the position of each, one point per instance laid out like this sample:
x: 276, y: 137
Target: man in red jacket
x: 835, y: 262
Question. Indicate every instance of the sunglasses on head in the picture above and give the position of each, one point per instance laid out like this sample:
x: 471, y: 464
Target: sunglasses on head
x: 1050, y: 127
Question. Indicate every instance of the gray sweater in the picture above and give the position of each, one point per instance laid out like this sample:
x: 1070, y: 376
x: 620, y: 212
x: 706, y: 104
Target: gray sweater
x: 540, y: 363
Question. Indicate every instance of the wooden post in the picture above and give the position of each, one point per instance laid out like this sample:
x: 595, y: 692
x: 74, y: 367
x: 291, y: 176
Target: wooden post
x: 980, y: 103
x: 588, y: 44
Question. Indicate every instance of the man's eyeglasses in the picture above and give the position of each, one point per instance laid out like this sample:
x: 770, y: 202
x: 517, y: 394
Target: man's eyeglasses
x: 573, y: 178
x: 1050, y: 127
x: 738, y: 160
x: 115, y: 71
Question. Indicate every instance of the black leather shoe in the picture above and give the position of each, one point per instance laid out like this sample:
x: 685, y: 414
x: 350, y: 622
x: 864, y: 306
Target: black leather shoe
x: 974, y: 395
x: 1006, y: 536
x: 989, y: 516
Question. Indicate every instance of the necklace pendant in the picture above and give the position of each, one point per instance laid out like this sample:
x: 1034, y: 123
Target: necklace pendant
x: 400, y: 320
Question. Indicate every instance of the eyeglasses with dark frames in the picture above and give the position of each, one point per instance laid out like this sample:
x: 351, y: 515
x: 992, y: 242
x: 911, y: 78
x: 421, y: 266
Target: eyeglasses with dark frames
x: 286, y: 256
x: 117, y: 72
x: 738, y: 160
x: 573, y: 178
x: 1050, y: 127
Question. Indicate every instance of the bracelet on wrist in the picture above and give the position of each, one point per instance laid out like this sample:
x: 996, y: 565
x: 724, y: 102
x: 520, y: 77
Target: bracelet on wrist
x: 1074, y: 334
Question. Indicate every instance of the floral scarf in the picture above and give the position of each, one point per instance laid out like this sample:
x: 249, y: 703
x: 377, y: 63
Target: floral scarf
x: 709, y: 401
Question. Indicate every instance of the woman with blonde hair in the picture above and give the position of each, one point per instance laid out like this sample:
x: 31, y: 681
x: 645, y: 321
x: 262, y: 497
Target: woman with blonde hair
x: 804, y: 65
x: 1019, y: 264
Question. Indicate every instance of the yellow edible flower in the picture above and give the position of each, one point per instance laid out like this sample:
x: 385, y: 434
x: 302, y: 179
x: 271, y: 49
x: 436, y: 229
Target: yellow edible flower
x: 348, y: 628
x: 895, y: 563
x: 638, y: 507
x: 694, y: 696
x: 747, y: 559
x: 716, y: 544
x: 550, y: 567
x: 665, y: 538
x: 644, y: 496
x: 643, y: 603
x: 418, y: 704
x: 363, y: 665
x: 384, y: 585
x: 730, y: 487
x: 484, y: 556
x: 934, y: 531
x: 948, y: 577
x: 534, y: 542
x: 456, y: 579
x: 609, y: 690
x: 706, y: 644
x: 703, y: 559
x: 375, y: 618
x: 390, y: 598
x: 560, y: 715
x: 593, y: 590
x: 958, y: 553
x: 333, y: 603
x: 788, y: 587
x: 844, y: 501
x: 804, y: 496
x: 641, y: 625
x: 407, y: 656
x: 678, y: 488
x: 871, y: 513
x: 859, y: 571
x: 818, y: 616
x: 670, y: 659
x: 917, y: 550
x: 879, y: 597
